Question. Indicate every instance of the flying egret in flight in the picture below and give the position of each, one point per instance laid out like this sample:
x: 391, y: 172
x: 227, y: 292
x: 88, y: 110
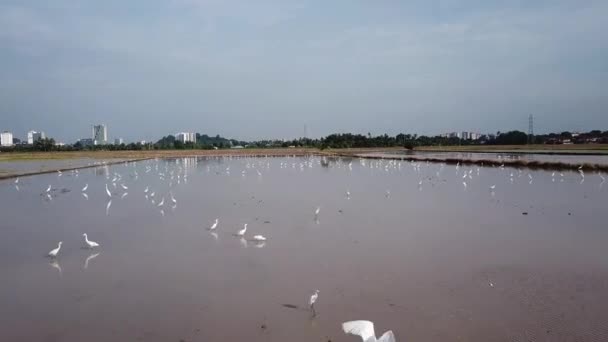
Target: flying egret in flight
x: 313, y: 300
x: 365, y: 330
x: 85, y: 187
x: 53, y: 253
x: 214, y: 225
x: 242, y: 231
x: 90, y: 244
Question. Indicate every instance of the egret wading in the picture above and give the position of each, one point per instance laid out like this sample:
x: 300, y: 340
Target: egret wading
x: 53, y: 253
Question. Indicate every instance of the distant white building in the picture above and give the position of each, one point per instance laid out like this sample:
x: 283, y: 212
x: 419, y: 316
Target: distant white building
x: 100, y: 134
x: 6, y: 139
x: 185, y: 137
x: 33, y: 136
x: 118, y: 141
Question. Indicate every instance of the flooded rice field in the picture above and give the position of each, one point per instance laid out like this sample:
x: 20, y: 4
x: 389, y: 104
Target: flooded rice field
x: 432, y: 252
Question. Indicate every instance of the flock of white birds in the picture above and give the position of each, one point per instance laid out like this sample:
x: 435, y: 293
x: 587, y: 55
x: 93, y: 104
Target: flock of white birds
x: 178, y: 174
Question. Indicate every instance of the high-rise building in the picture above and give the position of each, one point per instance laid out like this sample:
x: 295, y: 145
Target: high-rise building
x: 33, y: 136
x: 185, y: 137
x: 118, y: 141
x: 100, y: 135
x: 6, y: 139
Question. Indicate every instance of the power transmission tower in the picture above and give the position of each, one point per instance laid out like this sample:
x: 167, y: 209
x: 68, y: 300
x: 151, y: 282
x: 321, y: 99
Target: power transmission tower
x: 531, y: 129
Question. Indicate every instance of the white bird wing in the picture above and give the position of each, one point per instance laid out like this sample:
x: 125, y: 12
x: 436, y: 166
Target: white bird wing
x: 365, y: 329
x: 387, y: 337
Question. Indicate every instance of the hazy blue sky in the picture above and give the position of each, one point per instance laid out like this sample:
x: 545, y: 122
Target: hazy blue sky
x: 264, y: 68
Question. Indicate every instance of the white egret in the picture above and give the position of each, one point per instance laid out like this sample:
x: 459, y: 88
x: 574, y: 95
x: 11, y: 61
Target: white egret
x: 214, y: 225
x: 152, y: 194
x: 90, y: 244
x: 48, y: 189
x: 85, y: 187
x: 162, y: 201
x: 17, y: 180
x: 108, y: 191
x: 53, y: 253
x: 242, y: 231
x: 173, y: 198
x: 259, y: 238
x: 146, y: 190
x: 493, y: 187
x: 348, y: 194
x: 365, y: 330
x: 317, y: 211
x: 124, y: 195
x: 465, y: 184
x: 108, y: 207
x: 313, y: 300
x: 89, y: 258
x: 124, y: 186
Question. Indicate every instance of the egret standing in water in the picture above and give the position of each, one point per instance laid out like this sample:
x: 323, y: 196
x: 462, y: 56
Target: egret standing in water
x: 85, y: 187
x: 313, y: 300
x: 48, y: 189
x: 17, y: 180
x: 173, y: 198
x: 90, y: 244
x: 214, y: 225
x: 317, y: 211
x: 108, y: 191
x: 242, y: 231
x: 53, y: 253
x: 365, y: 330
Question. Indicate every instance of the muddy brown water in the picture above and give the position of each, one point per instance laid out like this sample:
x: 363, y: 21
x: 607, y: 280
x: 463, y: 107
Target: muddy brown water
x: 433, y: 262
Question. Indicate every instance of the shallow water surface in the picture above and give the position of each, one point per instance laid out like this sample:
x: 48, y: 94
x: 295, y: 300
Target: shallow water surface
x: 412, y: 249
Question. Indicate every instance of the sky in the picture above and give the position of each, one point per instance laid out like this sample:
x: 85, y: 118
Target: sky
x: 252, y: 69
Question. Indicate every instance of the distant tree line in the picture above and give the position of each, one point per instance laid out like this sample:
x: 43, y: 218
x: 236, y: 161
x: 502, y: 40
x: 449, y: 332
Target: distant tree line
x: 343, y: 140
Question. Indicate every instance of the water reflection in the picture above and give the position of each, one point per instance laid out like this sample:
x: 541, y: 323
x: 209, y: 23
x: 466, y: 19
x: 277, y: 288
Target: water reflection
x: 89, y: 258
x: 55, y: 264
